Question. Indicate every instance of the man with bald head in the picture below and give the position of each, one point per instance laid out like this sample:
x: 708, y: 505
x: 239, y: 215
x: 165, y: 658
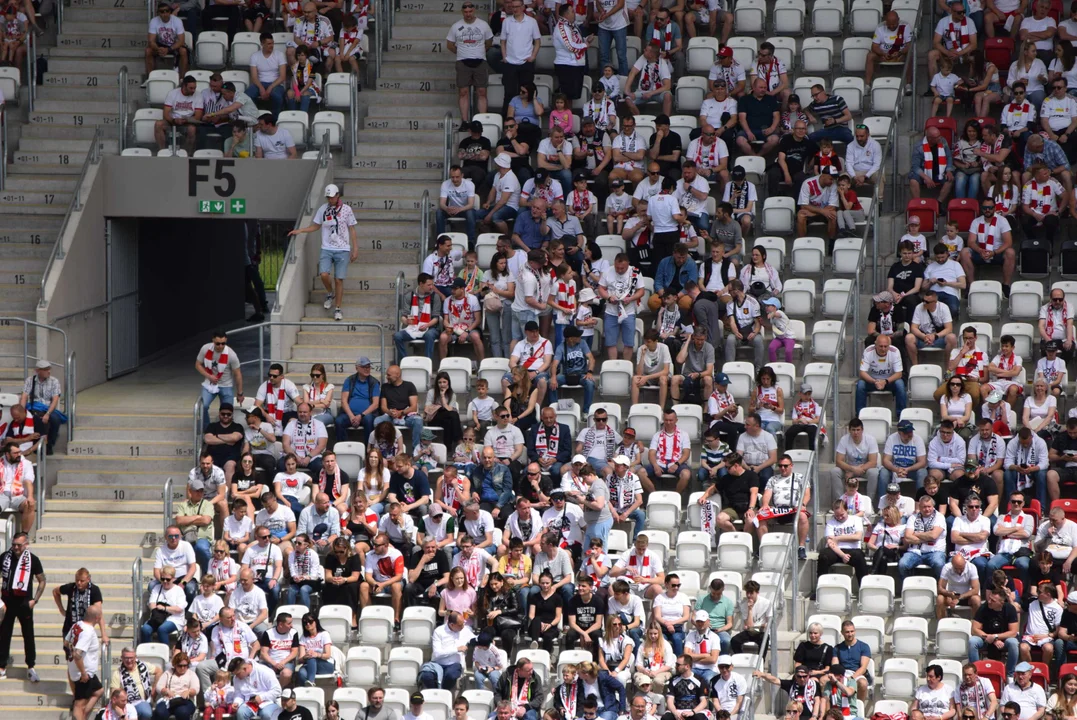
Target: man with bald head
x: 400, y: 404
x: 931, y: 163
x: 549, y: 443
x: 320, y: 521
x: 794, y: 151
x: 759, y: 115
x: 890, y: 43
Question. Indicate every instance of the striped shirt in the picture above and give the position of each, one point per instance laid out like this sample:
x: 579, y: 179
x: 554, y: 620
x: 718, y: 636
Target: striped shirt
x: 833, y: 107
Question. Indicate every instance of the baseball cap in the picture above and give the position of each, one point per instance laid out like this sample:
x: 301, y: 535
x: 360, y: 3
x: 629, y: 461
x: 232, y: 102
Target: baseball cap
x: 196, y: 484
x: 435, y: 510
x: 724, y: 660
x: 622, y: 460
x: 417, y: 699
x: 629, y: 431
x: 1072, y: 597
x: 579, y: 459
x: 995, y: 396
x: 701, y: 615
x: 476, y: 126
x: 503, y: 161
x: 579, y: 176
x: 660, y: 119
x: 1053, y: 345
x: 287, y: 694
x: 806, y: 388
x: 884, y: 296
x: 229, y: 86
x: 832, y: 171
x: 557, y: 494
x: 363, y: 361
x: 540, y: 176
x: 42, y: 365
x: 1023, y: 667
x: 905, y: 426
x: 639, y: 680
x: 725, y: 52
x: 459, y: 283
x: 573, y: 331
x: 914, y: 220
x: 738, y: 173
x: 721, y: 379
x: 893, y: 488
x: 619, y: 183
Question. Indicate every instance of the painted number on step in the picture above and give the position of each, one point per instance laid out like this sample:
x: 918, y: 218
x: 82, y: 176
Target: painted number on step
x: 106, y: 42
x: 364, y: 284
x: 401, y: 164
x: 118, y: 3
x: 448, y: 7
x: 413, y: 124
x: 118, y: 494
x: 435, y: 47
x: 135, y: 450
x: 77, y: 119
x: 50, y: 198
x: 64, y: 159
x: 91, y: 81
x: 339, y: 367
x: 376, y: 244
x: 35, y: 239
x: 104, y: 539
x: 424, y: 86
x: 388, y: 204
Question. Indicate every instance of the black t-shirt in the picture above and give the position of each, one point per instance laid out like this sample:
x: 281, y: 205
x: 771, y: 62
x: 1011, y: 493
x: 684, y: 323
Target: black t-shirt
x: 1068, y: 621
x: 1062, y: 444
x: 471, y: 146
x: 736, y: 491
x: 35, y: 570
x: 796, y: 152
x: 895, y: 318
x: 432, y: 571
x: 814, y: 657
x: 759, y: 113
x: 232, y: 452
x: 333, y: 567
x: 408, y: 490
x: 545, y: 608
x: 524, y: 489
x: 398, y: 397
x: 670, y: 142
x: 996, y: 622
x: 984, y: 486
x: 517, y: 162
x: 1035, y: 578
x: 300, y: 713
x: 244, y: 482
x: 942, y: 499
x: 905, y: 277
x: 586, y: 612
x: 686, y: 691
x: 78, y: 602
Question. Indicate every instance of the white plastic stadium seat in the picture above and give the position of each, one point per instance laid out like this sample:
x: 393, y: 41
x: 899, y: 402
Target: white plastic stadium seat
x: 877, y: 421
x: 754, y: 169
x: 491, y: 369
x: 836, y: 294
x: 693, y: 550
x: 208, y: 153
x: 952, y: 637
x: 240, y: 78
x: 659, y: 541
x: 459, y: 370
x: 901, y: 677
x: 1023, y: 335
x: 831, y: 627
x: 833, y: 593
x: 137, y: 152
x: 663, y: 510
x: 211, y: 50
x: 337, y: 621
x: 167, y: 152
x: 825, y: 335
x: 313, y: 699
x: 909, y: 634
x: 153, y: 654
x: 876, y: 595
x: 775, y: 247
x: 613, y: 410
x: 702, y: 52
x: 397, y: 699
x: 296, y: 122
x: 615, y: 378
x: 985, y: 299
x: 807, y: 257
x: 828, y: 17
x: 865, y: 16
x: 481, y: 704
x: 773, y: 549
x: 337, y: 90
x: 404, y: 664
x: 788, y: 17
x: 375, y: 624
x: 244, y: 45
x: 885, y: 94
x: 159, y: 83
x: 350, y: 700
x: 610, y: 245
x: 744, y: 50
x: 847, y: 252
x: 872, y: 630
x: 418, y: 371
x: 363, y: 665
x: 785, y: 49
x: 1026, y: 299
x: 817, y: 55
x: 10, y: 81
x: 438, y: 703
x: 779, y: 215
x: 878, y: 127
x: 540, y: 659
x: 735, y: 550
x: 923, y: 381
x: 689, y: 93
x: 690, y: 419
x: 803, y: 84
x: 646, y: 419
x: 922, y: 419
x: 750, y: 17
x: 417, y: 625
x: 851, y: 90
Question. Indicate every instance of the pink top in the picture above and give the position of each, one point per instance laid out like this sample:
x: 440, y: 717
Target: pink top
x: 561, y: 119
x: 461, y: 601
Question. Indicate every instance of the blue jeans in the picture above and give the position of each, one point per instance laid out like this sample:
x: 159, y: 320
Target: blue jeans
x: 562, y: 176
x: 705, y: 676
x: 276, y: 102
x: 266, y: 711
x: 441, y: 217
x: 184, y: 710
x: 494, y: 676
x: 952, y: 302
x: 433, y: 675
x: 303, y: 592
x: 723, y: 641
x: 1039, y: 483
x: 1001, y: 560
x: 343, y: 423
x: 638, y: 518
x: 506, y: 214
x: 620, y: 38
x: 302, y: 103
x: 623, y: 330
x: 163, y: 631
x: 272, y: 595
x: 401, y: 339
x: 143, y: 710
x: 912, y: 558
x: 414, y: 423
x: 226, y: 395
x: 966, y: 185
x: 773, y: 427
x: 976, y: 643
x: 600, y: 530
x: 588, y: 391
x: 676, y: 639
x: 897, y: 387
x: 203, y: 551
x: 702, y: 223
x: 313, y: 667
x: 841, y: 133
x: 520, y: 320
x: 886, y: 477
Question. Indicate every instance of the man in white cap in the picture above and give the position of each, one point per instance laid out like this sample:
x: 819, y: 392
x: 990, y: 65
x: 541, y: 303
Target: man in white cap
x: 339, y: 246
x: 702, y: 645
x: 728, y: 688
x: 626, y: 494
x: 41, y: 395
x: 503, y: 202
x: 290, y: 709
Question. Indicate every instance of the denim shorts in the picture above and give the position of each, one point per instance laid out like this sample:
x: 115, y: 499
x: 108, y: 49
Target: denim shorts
x: 520, y: 318
x: 623, y: 330
x: 335, y: 260
x: 978, y: 259
x: 940, y: 342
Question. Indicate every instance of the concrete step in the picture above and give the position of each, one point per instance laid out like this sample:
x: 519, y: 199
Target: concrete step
x: 404, y: 97
x: 133, y: 434
x: 48, y: 670
x: 52, y: 183
x: 125, y: 508
x: 371, y: 204
x: 112, y: 563
x: 416, y: 49
x: 125, y: 418
x: 182, y: 462
x: 400, y: 212
x: 74, y: 80
x: 21, y: 271
x: 133, y: 449
x: 392, y: 70
x: 44, y: 694
x: 85, y: 14
x: 21, y: 252
x: 54, y: 152
x: 60, y: 106
x: 152, y: 494
x: 328, y: 337
x: 386, y: 168
x: 148, y: 539
x: 397, y: 124
x: 343, y: 354
x: 47, y: 131
x: 91, y: 520
x: 418, y: 86
x: 415, y: 10
x: 54, y: 628
x: 381, y: 299
x: 85, y: 551
x: 362, y: 190
x: 76, y: 478
x: 430, y: 38
x: 356, y: 312
x: 422, y: 142
x: 132, y: 57
x: 55, y: 205
x: 390, y: 109
x: 72, y: 116
x: 99, y: 93
x: 78, y: 63
x: 100, y: 35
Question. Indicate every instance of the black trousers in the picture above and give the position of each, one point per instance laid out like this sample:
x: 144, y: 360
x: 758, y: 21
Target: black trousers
x: 1046, y: 231
x: 737, y: 642
x: 18, y: 606
x: 512, y: 77
x: 255, y: 288
x: 232, y: 13
x: 881, y: 558
x: 546, y: 638
x: 662, y: 246
x: 796, y: 430
x: 572, y: 638
x: 829, y: 558
x: 730, y: 430
x: 775, y: 177
x: 570, y: 78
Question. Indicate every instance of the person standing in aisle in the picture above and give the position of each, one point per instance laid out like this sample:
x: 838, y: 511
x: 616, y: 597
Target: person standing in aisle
x: 339, y: 246
x: 18, y: 568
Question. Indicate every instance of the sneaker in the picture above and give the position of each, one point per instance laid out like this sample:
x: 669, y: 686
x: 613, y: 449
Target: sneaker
x: 31, y: 675
x: 802, y: 552
x: 3, y: 673
x: 338, y: 315
x: 908, y: 88
x: 465, y: 126
x: 534, y: 644
x: 396, y: 626
x: 1006, y: 291
x: 928, y: 93
x: 328, y: 302
x: 309, y: 683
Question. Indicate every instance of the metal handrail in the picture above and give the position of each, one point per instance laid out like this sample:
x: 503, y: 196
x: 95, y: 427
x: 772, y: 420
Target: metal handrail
x: 40, y: 479
x: 71, y: 391
x: 150, y: 9
x: 264, y: 361
x: 446, y: 154
x: 121, y: 79
x: 9, y: 533
x: 167, y: 498
x: 60, y: 31
x: 31, y: 69
x: 3, y: 148
x: 92, y: 158
x: 136, y: 594
x: 68, y: 393
x: 324, y: 157
x: 380, y: 36
x: 425, y: 208
x: 198, y: 409
x: 401, y: 282
x: 106, y: 674
x: 353, y: 108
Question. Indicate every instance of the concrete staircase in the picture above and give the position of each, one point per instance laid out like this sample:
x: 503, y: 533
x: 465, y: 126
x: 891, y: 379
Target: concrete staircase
x: 400, y: 155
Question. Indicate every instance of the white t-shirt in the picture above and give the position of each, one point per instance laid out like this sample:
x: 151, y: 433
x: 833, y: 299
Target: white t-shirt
x: 632, y: 143
x: 470, y: 39
x: 650, y: 75
x: 652, y: 361
x: 664, y: 445
x: 457, y: 195
x: 744, y: 312
x: 275, y: 146
x: 959, y: 583
x: 1031, y: 24
x: 1059, y: 112
x: 183, y: 106
x: 713, y: 110
x: 881, y: 368
x: 518, y: 36
x: 618, y: 286
x: 687, y: 200
x: 952, y: 39
x: 276, y: 522
x: 885, y: 38
x: 181, y: 558
x: 813, y: 193
x: 934, y: 703
x: 852, y: 525
x: 238, y: 528
x: 262, y: 560
x: 503, y: 442
x: 1056, y: 328
x: 917, y: 523
x: 267, y: 68
x: 617, y: 20
x: 167, y: 32
x: 670, y: 608
x: 248, y: 605
x: 931, y: 322
x: 989, y: 235
x: 1030, y: 699
x: 335, y: 223
x: 508, y: 183
x: 949, y: 271
x: 945, y: 84
x: 84, y: 638
x: 206, y: 609
x: 645, y: 189
x: 305, y: 436
x: 756, y: 450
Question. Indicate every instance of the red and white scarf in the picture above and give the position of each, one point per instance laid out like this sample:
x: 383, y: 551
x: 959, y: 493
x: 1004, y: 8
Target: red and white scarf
x: 711, y: 160
x: 460, y: 311
x: 275, y: 400
x: 622, y: 490
x: 1016, y: 111
x: 985, y: 239
x: 568, y: 699
x: 1049, y: 326
x: 1006, y: 200
x: 815, y: 193
x: 537, y: 353
x: 16, y: 579
x: 23, y: 430
x: 669, y: 447
x: 640, y: 567
x: 547, y: 441
x: 322, y: 482
x: 663, y: 37
x: 566, y: 298
x: 472, y: 569
x: 449, y: 492
x: 1006, y: 363
x: 768, y: 70
x: 899, y: 40
x: 581, y: 202
x: 1045, y: 192
x: 830, y: 159
x: 519, y: 694
x: 570, y: 36
x: 602, y: 113
x: 422, y: 315
x: 808, y: 410
x: 708, y: 517
x: 929, y: 160
x: 216, y: 369
x: 651, y: 77
x: 957, y: 36
x: 992, y: 149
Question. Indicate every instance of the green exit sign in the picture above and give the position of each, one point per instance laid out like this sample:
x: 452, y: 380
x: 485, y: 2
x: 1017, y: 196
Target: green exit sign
x: 211, y: 207
x: 237, y: 206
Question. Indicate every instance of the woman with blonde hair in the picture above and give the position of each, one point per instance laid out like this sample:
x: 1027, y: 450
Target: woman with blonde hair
x: 373, y: 479
x: 616, y: 649
x: 887, y: 539
x: 522, y: 400
x: 1032, y: 71
x: 1062, y: 704
x: 655, y: 657
x: 1040, y: 413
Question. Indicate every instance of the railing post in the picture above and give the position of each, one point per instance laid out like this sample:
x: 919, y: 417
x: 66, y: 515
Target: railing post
x: 31, y: 70
x: 167, y: 505
x: 198, y: 410
x: 136, y: 595
x: 3, y: 141
x: 424, y: 227
x: 70, y: 395
x: 121, y: 80
x: 42, y: 478
x: 447, y: 149
x: 353, y: 107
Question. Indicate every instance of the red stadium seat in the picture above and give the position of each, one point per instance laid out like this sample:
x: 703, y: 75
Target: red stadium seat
x: 1056, y: 10
x: 1067, y: 668
x: 946, y: 125
x: 1035, y: 510
x: 962, y: 211
x: 999, y: 52
x: 1068, y: 506
x: 1041, y: 675
x: 985, y: 121
x: 927, y: 209
x: 993, y: 671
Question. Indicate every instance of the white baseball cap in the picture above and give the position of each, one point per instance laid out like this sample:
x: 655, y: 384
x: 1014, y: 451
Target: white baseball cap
x: 331, y: 190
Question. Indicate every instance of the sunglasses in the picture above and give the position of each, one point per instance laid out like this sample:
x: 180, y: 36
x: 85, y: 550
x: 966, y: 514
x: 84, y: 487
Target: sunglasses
x: 602, y: 419
x: 274, y: 376
x: 172, y: 536
x: 1017, y: 502
x: 785, y: 465
x: 263, y: 537
x: 316, y: 375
